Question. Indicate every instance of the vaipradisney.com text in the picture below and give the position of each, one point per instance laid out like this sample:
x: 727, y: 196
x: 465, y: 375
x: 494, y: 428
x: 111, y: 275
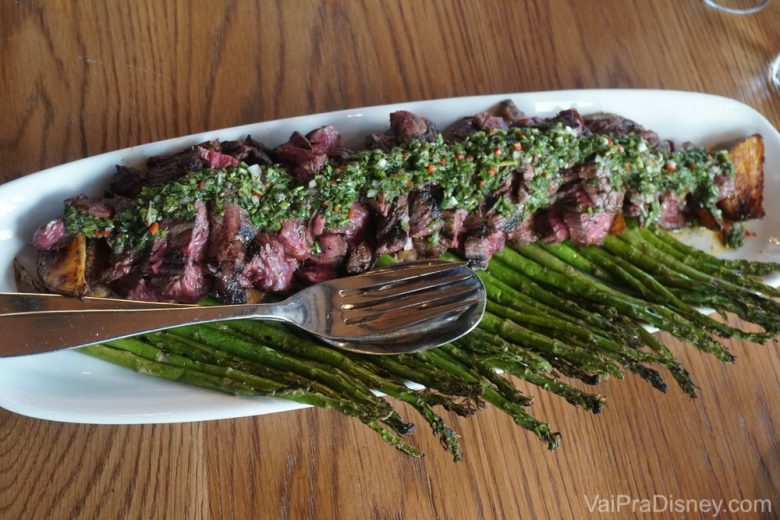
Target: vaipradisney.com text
x: 672, y: 504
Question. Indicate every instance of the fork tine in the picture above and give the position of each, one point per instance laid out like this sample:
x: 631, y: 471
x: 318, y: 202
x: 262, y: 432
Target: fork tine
x: 396, y: 274
x: 417, y: 287
x: 420, y: 328
x: 415, y: 266
x: 411, y: 310
x: 445, y: 311
x: 419, y: 298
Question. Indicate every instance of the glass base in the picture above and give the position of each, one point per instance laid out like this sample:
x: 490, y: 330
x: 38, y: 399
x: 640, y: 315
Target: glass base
x: 738, y: 6
x: 774, y: 73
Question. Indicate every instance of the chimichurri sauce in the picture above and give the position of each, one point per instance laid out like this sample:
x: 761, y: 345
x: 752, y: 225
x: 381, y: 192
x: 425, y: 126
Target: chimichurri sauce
x: 467, y: 173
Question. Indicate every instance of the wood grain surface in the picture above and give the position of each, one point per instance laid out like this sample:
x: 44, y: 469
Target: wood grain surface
x: 83, y: 77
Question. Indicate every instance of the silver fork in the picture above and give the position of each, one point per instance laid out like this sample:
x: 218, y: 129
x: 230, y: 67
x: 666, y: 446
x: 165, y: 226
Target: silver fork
x: 398, y: 309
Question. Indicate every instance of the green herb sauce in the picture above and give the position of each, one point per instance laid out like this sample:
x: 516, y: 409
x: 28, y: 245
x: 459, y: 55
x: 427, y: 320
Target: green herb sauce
x: 467, y: 173
x: 733, y: 236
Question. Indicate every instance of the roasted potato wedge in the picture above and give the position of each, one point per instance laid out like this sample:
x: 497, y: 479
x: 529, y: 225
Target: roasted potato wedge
x: 746, y: 201
x: 63, y: 270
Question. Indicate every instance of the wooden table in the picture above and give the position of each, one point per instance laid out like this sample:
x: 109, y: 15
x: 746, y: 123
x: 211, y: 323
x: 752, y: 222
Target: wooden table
x: 81, y: 78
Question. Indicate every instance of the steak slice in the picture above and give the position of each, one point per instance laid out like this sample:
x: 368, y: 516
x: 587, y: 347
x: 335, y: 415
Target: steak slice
x: 127, y: 181
x: 523, y: 233
x: 450, y: 235
x: 357, y: 226
x: 187, y: 284
x: 100, y: 208
x: 187, y: 240
x: 216, y: 159
x: 392, y: 231
x: 466, y: 126
x: 606, y: 123
x: 481, y: 242
x: 51, y: 235
x: 230, y: 237
x: 166, y: 168
x: 550, y: 226
x: 307, y: 155
x: 570, y: 118
x: 296, y: 238
x: 588, y: 229
x: 672, y: 214
x: 405, y: 126
x: 588, y: 224
x: 311, y: 273
x: 334, y: 248
x: 268, y: 267
x: 453, y: 229
x: 509, y: 112
x: 247, y: 151
x: 424, y: 213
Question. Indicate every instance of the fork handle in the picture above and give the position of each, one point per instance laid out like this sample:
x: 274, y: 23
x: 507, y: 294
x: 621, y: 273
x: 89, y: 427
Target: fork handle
x: 38, y: 332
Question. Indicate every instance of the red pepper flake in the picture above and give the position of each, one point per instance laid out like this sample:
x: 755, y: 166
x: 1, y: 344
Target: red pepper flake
x: 627, y: 168
x: 609, y: 140
x: 342, y: 167
x: 535, y: 159
x: 351, y: 214
x: 517, y: 146
x: 691, y: 165
x: 469, y: 157
x: 431, y: 168
x: 749, y: 233
x: 497, y: 152
x: 670, y: 167
x: 201, y: 185
x: 257, y: 194
x: 491, y: 171
x: 459, y: 157
x: 154, y: 228
x: 481, y: 182
x: 324, y: 204
x: 443, y: 161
